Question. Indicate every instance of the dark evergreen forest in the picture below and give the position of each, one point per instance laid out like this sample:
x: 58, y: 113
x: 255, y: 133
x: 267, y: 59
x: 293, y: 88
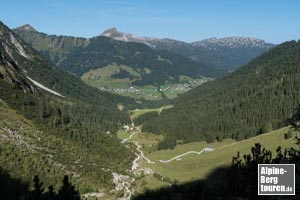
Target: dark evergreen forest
x: 164, y: 66
x: 83, y: 117
x: 254, y: 99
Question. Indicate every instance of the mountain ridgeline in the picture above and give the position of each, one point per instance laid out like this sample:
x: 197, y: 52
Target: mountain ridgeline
x: 79, y: 55
x: 227, y: 53
x: 61, y: 106
x: 163, y: 66
x: 55, y: 48
x: 254, y: 99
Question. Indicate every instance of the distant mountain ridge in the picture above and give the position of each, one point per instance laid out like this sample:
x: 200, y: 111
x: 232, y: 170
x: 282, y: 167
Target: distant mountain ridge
x: 126, y: 37
x: 233, y: 42
x: 81, y: 55
x: 226, y: 53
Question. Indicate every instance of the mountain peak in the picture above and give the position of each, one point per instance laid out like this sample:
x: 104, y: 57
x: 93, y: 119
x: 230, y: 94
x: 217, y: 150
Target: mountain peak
x: 126, y: 37
x: 112, y: 32
x: 27, y: 28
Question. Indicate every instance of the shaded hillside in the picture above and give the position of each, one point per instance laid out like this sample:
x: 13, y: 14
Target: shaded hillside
x: 10, y: 188
x: 252, y: 100
x: 45, y: 110
x: 15, y: 189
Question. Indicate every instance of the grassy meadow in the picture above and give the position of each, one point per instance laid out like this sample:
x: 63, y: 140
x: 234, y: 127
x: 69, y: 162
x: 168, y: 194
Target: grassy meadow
x: 193, y: 167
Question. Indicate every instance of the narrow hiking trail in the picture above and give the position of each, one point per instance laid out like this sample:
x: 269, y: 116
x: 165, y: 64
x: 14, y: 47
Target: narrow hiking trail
x: 130, y: 136
x: 206, y: 149
x: 141, y: 153
x: 138, y: 148
x: 186, y: 153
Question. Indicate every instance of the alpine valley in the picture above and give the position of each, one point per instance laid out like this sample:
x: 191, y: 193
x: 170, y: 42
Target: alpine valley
x: 119, y: 116
x: 141, y: 67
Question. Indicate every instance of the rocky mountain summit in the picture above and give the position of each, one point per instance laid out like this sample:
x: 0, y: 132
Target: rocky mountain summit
x: 126, y: 37
x: 27, y: 28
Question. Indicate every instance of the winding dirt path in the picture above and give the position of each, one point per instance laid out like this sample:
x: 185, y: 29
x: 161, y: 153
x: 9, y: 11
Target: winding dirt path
x: 186, y: 153
x: 130, y: 136
x: 138, y: 148
x: 141, y: 153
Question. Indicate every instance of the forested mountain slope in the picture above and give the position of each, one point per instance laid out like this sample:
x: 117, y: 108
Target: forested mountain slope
x: 256, y: 98
x: 150, y: 66
x: 54, y: 47
x: 155, y: 67
x: 69, y: 121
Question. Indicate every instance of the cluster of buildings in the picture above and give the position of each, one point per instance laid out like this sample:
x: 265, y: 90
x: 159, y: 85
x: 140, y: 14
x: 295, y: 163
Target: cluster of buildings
x: 184, y: 86
x: 138, y: 91
x: 133, y: 90
x: 129, y: 127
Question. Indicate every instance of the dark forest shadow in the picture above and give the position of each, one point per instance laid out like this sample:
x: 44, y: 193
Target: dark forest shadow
x: 12, y: 189
x: 15, y: 189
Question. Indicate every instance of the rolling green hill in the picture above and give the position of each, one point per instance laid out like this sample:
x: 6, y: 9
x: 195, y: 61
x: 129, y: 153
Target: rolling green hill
x: 53, y: 124
x: 254, y: 99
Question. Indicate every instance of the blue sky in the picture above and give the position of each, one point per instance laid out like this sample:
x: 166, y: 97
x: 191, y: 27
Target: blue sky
x: 188, y: 20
